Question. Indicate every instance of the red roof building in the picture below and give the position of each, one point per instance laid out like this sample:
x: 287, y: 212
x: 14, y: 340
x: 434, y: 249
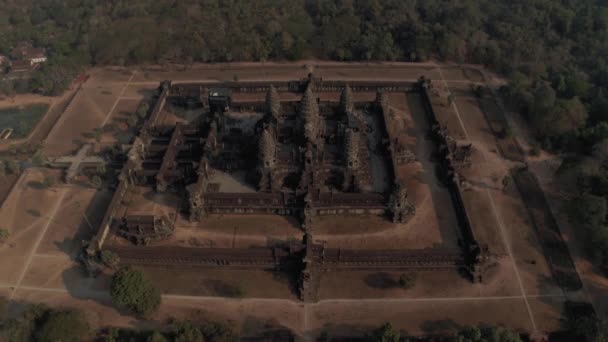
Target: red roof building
x: 24, y: 51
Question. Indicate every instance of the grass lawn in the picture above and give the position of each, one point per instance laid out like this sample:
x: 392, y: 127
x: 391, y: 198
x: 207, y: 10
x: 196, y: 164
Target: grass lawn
x: 22, y: 119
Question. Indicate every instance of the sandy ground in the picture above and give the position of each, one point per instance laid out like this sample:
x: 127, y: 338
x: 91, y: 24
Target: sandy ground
x: 37, y: 262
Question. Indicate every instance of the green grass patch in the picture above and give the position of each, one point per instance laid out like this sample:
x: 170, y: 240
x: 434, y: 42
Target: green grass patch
x: 22, y: 119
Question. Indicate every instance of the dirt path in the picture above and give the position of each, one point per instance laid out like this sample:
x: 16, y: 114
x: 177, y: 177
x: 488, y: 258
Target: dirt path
x: 501, y: 224
x: 51, y: 217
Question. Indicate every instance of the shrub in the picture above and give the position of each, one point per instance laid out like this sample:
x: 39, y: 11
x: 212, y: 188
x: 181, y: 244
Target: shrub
x: 130, y: 288
x: 156, y: 337
x: 407, y: 280
x: 38, y: 159
x: 4, y: 234
x: 142, y: 110
x: 385, y: 333
x: 97, y: 134
x: 110, y: 259
x: 96, y: 181
x: 535, y: 150
x: 48, y: 181
x: 12, y: 166
x: 132, y: 120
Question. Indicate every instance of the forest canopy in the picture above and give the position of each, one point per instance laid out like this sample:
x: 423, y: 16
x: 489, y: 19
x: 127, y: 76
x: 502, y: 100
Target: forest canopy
x: 554, y: 52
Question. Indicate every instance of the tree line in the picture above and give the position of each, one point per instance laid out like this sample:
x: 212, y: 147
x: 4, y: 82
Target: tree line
x: 558, y: 42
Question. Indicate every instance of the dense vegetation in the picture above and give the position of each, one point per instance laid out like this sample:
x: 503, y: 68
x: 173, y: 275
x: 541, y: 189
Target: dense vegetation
x: 559, y: 43
x: 41, y: 324
x: 131, y: 289
x: 386, y: 333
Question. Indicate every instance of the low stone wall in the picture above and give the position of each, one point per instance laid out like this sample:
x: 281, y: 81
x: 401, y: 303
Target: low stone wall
x: 472, y: 246
x: 289, y: 258
x: 108, y: 219
x: 319, y: 85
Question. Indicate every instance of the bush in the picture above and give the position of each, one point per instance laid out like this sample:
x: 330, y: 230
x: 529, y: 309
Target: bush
x: 489, y: 333
x: 96, y: 181
x: 4, y: 234
x: 22, y: 328
x: 110, y: 259
x: 478, y: 91
x: 48, y: 181
x: 156, y: 337
x: 142, y: 110
x: 130, y: 288
x: 535, y: 150
x: 385, y: 333
x: 13, y: 166
x: 38, y: 159
x: 407, y: 280
x: 132, y: 120
x: 101, y: 170
x: 64, y: 326
x: 189, y: 331
x: 97, y: 134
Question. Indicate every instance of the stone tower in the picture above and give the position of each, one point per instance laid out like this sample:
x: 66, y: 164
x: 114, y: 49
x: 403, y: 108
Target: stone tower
x: 351, y: 149
x: 267, y: 159
x: 346, y: 101
x: 267, y: 150
x: 273, y: 104
x: 309, y: 111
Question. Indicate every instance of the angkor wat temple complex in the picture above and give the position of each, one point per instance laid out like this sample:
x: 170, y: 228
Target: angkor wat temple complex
x: 306, y: 148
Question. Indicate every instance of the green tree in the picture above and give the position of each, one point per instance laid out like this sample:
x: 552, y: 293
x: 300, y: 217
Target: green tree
x: 132, y: 120
x: 385, y: 333
x: 12, y: 166
x: 97, y: 134
x: 48, y: 181
x: 187, y: 332
x: 4, y: 234
x: 156, y: 337
x: 142, y: 110
x: 130, y: 288
x: 23, y: 327
x: 65, y: 326
x: 38, y: 159
x: 486, y: 334
x: 101, y: 169
x: 96, y: 181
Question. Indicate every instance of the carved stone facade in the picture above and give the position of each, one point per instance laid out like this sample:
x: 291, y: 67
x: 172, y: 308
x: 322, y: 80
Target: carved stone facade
x: 267, y: 158
x: 146, y: 228
x: 309, y: 112
x: 135, y: 158
x: 401, y: 208
x: 347, y: 104
x: 273, y: 104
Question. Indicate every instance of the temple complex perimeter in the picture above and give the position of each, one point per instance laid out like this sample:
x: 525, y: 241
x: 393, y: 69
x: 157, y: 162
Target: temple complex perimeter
x: 319, y: 175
